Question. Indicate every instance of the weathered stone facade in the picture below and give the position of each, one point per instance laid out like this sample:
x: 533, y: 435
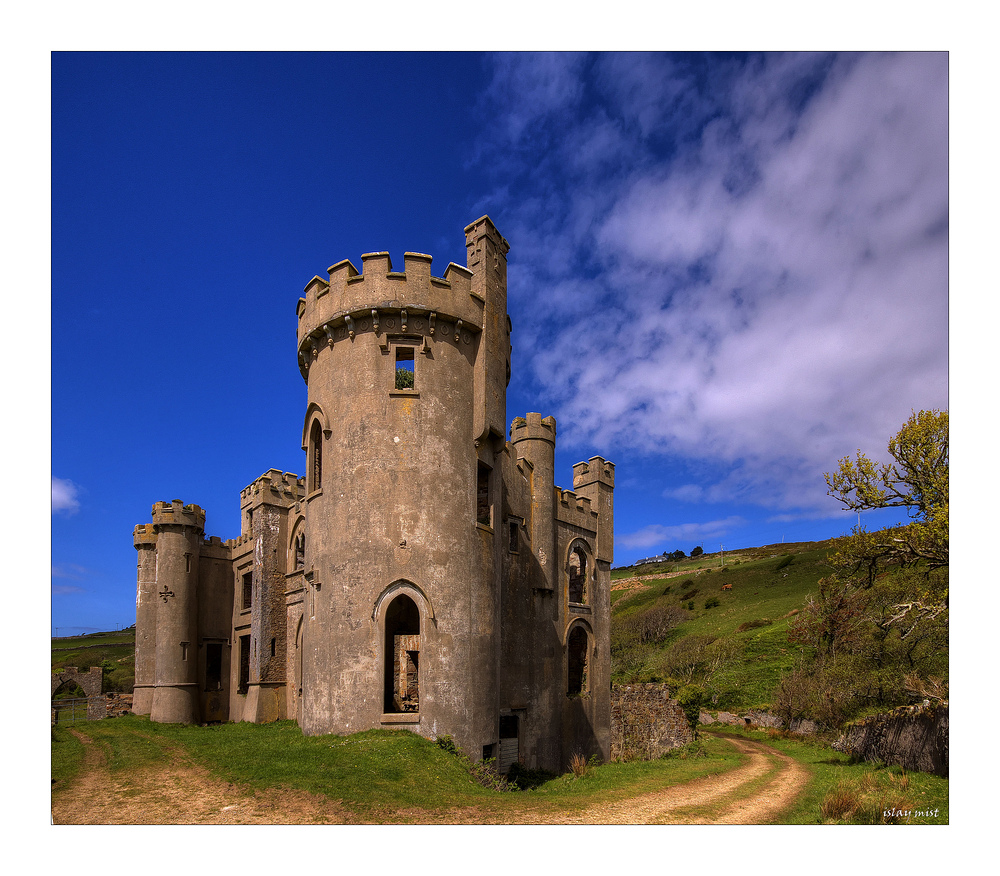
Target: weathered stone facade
x: 426, y: 573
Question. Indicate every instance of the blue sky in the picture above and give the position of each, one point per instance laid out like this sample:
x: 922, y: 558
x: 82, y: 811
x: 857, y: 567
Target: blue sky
x: 726, y: 271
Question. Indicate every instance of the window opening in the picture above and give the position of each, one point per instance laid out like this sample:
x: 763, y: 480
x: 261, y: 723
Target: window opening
x: 184, y: 651
x: 402, y: 656
x: 244, y: 682
x: 404, y: 368
x: 577, y: 575
x: 577, y: 654
x: 300, y: 550
x: 483, y: 503
x: 315, y: 457
x: 247, y: 589
x: 213, y: 666
x: 512, y: 544
x: 272, y: 647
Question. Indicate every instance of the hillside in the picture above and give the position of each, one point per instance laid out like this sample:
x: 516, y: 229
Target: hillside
x: 674, y: 621
x: 93, y: 649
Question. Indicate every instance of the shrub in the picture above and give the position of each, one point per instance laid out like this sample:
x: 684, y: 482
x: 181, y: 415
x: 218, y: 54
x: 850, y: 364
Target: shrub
x: 578, y: 765
x: 691, y: 697
x: 712, y: 602
x: 691, y: 605
x: 690, y: 594
x: 754, y: 624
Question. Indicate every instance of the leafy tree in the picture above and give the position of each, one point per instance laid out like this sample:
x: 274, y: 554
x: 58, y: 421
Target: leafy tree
x: 677, y: 555
x: 696, y: 551
x: 917, y: 480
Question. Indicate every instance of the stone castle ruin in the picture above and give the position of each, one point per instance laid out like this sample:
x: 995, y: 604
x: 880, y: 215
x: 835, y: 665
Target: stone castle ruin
x: 426, y: 573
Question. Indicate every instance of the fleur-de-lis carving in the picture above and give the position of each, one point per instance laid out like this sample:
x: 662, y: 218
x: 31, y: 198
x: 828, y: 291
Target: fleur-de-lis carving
x: 165, y: 594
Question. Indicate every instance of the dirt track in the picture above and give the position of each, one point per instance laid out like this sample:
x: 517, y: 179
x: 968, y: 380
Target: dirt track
x: 183, y: 793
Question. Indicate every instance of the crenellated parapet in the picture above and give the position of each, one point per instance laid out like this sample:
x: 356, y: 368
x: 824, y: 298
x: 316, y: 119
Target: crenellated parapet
x: 597, y: 470
x: 176, y: 513
x: 274, y: 487
x: 384, y: 301
x: 575, y: 510
x: 531, y: 427
x: 144, y: 535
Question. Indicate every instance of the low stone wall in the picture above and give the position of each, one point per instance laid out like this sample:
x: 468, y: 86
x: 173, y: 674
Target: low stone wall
x: 757, y: 718
x: 914, y: 737
x: 119, y: 704
x: 645, y: 722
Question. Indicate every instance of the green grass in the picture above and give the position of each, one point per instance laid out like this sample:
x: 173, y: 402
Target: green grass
x: 371, y: 773
x: 875, y: 786
x: 84, y: 652
x: 768, y: 584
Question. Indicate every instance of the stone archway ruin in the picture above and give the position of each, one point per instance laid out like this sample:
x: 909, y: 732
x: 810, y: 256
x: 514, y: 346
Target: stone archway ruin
x: 90, y: 682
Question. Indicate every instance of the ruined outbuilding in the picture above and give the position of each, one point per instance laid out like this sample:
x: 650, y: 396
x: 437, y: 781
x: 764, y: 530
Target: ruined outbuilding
x: 426, y: 573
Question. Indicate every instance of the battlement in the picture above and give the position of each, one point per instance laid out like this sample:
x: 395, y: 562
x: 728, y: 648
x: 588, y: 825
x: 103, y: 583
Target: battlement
x: 144, y: 534
x: 532, y: 426
x: 349, y: 301
x: 176, y: 513
x: 575, y: 510
x: 285, y: 487
x: 597, y: 470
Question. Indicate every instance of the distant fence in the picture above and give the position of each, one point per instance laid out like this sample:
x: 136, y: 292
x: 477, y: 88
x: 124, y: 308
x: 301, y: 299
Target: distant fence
x: 69, y: 710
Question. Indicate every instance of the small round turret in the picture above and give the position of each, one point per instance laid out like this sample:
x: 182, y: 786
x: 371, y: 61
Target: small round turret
x: 179, y: 529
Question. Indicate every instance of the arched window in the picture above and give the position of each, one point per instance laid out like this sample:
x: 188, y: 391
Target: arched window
x: 577, y: 652
x: 402, y: 655
x: 577, y: 575
x: 315, y: 457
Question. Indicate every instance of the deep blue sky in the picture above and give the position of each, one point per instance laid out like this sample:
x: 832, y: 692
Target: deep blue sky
x: 726, y: 271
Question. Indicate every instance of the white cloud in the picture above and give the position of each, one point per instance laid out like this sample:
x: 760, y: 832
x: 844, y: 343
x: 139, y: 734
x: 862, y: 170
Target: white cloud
x: 656, y: 534
x: 64, y: 496
x: 770, y: 293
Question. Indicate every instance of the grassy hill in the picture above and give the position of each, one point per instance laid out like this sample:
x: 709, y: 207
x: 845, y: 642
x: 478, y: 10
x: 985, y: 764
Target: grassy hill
x: 675, y: 622
x: 93, y: 649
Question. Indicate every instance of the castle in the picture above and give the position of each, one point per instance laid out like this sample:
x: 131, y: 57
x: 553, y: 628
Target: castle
x: 426, y: 573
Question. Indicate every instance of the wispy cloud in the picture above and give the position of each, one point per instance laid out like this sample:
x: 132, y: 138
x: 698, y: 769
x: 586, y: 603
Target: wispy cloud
x: 760, y: 278
x: 69, y: 570
x: 655, y: 534
x: 64, y: 496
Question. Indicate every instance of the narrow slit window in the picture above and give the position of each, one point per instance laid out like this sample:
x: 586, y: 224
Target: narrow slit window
x: 404, y: 368
x: 315, y: 457
x: 213, y: 666
x: 484, y: 511
x: 244, y: 680
x: 247, y: 589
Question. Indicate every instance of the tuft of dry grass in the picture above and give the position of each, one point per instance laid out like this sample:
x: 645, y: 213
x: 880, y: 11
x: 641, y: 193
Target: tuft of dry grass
x: 578, y: 765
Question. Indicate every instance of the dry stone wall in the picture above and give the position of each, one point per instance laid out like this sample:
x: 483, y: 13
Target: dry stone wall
x: 645, y: 722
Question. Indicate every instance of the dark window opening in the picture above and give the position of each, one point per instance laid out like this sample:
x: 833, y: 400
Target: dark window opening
x: 402, y: 656
x: 513, y: 544
x: 213, y: 666
x: 483, y: 502
x: 404, y: 368
x: 300, y: 550
x: 247, y: 589
x: 315, y: 457
x: 577, y: 654
x: 244, y: 682
x: 272, y: 647
x: 577, y: 576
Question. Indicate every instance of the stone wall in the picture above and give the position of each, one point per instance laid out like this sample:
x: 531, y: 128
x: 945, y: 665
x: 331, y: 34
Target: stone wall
x: 757, y: 718
x: 645, y: 722
x: 914, y: 737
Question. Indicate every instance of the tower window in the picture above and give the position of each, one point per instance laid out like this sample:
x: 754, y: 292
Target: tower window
x: 404, y: 368
x: 577, y: 576
x: 247, y: 589
x: 244, y: 682
x: 315, y: 457
x: 213, y: 666
x: 577, y: 667
x: 484, y: 513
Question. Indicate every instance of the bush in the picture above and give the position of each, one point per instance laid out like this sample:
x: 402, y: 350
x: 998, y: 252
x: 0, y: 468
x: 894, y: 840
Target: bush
x: 712, y: 602
x: 691, y: 697
x: 754, y: 624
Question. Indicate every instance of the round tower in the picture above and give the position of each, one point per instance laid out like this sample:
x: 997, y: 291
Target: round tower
x: 179, y: 530
x: 534, y: 439
x: 144, y: 539
x: 406, y: 375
